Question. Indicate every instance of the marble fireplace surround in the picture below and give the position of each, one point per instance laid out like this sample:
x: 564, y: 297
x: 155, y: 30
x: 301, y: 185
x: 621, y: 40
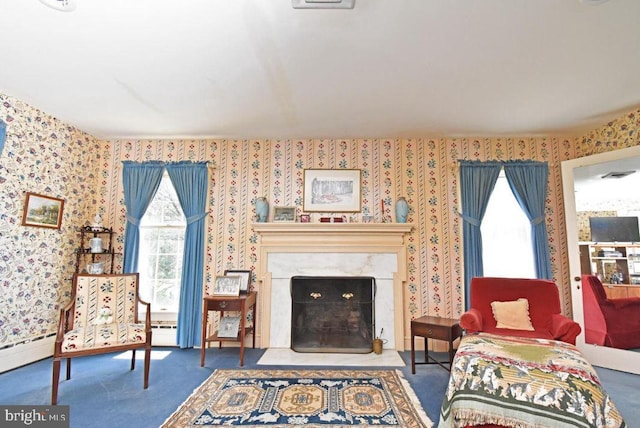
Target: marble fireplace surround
x: 330, y: 249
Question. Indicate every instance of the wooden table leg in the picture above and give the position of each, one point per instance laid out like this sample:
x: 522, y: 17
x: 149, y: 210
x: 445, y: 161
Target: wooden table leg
x: 243, y: 321
x: 413, y: 354
x: 255, y: 323
x: 203, y: 342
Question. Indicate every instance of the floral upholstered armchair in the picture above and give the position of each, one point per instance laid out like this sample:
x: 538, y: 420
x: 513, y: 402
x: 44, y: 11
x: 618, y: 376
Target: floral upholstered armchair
x: 102, y: 317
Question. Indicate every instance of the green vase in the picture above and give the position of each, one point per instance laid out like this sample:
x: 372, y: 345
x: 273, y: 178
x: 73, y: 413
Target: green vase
x: 262, y: 209
x: 402, y: 210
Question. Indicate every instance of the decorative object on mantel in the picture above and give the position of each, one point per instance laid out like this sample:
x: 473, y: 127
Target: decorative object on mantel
x: 333, y: 219
x: 402, y: 210
x: 284, y: 214
x: 384, y: 217
x: 262, y: 209
x: 368, y: 219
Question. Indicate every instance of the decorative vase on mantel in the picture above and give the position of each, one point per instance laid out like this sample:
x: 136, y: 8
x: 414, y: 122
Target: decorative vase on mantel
x: 262, y: 209
x: 402, y: 210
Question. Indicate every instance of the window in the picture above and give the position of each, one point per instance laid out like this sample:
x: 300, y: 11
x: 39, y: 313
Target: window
x: 162, y: 231
x: 507, y: 248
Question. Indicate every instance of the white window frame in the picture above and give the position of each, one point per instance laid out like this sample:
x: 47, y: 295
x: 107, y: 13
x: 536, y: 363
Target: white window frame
x: 157, y: 314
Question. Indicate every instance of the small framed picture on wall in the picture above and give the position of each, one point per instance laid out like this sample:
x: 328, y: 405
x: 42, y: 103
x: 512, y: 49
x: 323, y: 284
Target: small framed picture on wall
x: 42, y: 211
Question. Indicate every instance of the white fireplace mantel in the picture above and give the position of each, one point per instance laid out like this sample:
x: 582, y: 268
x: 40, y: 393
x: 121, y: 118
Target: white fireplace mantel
x: 376, y: 249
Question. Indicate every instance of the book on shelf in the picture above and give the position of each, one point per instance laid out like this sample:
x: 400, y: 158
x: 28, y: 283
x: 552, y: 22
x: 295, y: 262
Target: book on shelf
x: 229, y: 326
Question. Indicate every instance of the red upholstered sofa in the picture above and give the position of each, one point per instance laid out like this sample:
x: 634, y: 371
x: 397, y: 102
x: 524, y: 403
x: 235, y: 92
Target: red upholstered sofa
x: 544, y: 308
x: 609, y: 322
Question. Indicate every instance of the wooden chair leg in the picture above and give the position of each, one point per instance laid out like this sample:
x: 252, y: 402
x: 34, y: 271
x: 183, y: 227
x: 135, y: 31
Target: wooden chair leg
x: 55, y: 380
x: 147, y: 363
x: 68, y: 368
x: 133, y: 359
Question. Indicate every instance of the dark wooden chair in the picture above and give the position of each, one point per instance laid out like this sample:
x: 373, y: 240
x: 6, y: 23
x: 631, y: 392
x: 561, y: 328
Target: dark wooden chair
x: 102, y: 317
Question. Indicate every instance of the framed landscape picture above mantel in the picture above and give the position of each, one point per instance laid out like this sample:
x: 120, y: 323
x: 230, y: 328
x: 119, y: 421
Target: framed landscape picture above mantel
x: 332, y: 190
x: 42, y: 211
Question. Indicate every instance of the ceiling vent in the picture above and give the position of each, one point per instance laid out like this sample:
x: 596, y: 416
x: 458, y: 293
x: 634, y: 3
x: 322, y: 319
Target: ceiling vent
x: 617, y: 174
x: 323, y: 4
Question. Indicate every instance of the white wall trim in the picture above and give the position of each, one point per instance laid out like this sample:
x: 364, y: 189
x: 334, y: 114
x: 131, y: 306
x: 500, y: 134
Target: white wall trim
x: 26, y: 353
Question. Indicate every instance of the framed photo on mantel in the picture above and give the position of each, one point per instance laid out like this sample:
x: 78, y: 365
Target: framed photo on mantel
x: 331, y: 190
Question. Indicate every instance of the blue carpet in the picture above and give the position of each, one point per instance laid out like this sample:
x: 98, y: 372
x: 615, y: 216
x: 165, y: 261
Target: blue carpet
x: 103, y: 392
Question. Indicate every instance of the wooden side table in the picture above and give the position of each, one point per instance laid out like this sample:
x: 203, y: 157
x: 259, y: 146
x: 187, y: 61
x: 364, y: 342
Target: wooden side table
x: 242, y: 304
x: 434, y: 328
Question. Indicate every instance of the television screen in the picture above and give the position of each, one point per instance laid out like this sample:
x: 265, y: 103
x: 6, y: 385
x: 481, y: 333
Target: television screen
x: 614, y: 229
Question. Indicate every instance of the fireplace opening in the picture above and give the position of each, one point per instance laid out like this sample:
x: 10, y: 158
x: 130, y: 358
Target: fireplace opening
x: 332, y: 314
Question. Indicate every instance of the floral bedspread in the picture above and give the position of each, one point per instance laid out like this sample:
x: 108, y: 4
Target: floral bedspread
x: 523, y: 382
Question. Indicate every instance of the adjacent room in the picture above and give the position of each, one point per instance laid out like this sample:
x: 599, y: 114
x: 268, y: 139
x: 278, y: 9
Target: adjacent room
x: 319, y: 196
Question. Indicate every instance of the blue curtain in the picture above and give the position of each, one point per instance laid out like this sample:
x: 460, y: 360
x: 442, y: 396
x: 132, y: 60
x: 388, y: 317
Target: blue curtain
x: 140, y: 182
x: 191, y: 183
x: 528, y: 182
x: 3, y: 135
x: 477, y: 180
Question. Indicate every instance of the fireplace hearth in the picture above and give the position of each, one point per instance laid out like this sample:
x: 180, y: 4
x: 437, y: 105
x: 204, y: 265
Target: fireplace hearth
x: 332, y: 313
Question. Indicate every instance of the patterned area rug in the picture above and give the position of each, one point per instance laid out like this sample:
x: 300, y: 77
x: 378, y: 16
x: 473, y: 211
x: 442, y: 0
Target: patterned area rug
x: 310, y: 398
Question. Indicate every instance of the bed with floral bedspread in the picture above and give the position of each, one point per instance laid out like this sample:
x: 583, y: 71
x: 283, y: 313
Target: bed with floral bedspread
x: 523, y: 382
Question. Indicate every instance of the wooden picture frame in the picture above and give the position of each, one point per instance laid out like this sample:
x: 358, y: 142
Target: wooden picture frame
x: 246, y: 278
x: 227, y: 285
x: 284, y: 214
x: 229, y: 326
x: 332, y: 190
x: 42, y: 211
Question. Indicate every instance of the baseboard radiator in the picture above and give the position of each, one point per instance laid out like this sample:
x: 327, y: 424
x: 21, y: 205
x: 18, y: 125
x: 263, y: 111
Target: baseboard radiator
x: 26, y: 352
x: 31, y: 350
x: 163, y: 334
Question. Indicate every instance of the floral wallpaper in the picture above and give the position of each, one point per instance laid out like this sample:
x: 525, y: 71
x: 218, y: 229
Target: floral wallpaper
x: 617, y: 134
x: 422, y: 170
x: 44, y: 155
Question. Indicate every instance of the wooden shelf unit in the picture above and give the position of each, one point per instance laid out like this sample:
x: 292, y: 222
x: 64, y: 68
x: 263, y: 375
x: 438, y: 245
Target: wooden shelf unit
x: 84, y: 252
x: 617, y: 264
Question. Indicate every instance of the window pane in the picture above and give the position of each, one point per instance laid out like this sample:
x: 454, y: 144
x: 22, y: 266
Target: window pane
x: 165, y: 208
x: 167, y: 295
x: 161, y: 248
x: 167, y: 267
x: 507, y: 249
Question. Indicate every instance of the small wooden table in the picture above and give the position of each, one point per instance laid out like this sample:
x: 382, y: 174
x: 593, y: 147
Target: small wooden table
x: 242, y: 304
x: 434, y: 328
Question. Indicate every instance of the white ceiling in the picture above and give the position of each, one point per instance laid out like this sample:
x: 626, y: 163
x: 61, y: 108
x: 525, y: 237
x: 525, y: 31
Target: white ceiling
x: 592, y: 189
x: 385, y: 69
